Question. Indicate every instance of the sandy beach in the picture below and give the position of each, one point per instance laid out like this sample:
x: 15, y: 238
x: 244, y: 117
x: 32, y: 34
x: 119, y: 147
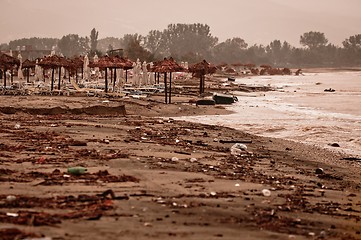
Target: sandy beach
x: 152, y: 173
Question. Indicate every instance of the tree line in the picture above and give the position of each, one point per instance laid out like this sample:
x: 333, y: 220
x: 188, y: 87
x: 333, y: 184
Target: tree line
x: 194, y: 42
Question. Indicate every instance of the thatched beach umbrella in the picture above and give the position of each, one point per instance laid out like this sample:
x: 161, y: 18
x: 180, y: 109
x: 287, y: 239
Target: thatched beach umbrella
x: 104, y: 62
x: 27, y: 64
x: 200, y: 70
x: 7, y: 62
x: 54, y: 62
x: 167, y: 66
x: 75, y: 63
x: 114, y: 62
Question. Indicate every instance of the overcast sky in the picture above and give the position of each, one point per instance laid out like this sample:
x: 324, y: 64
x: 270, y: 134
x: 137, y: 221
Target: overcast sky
x: 256, y: 21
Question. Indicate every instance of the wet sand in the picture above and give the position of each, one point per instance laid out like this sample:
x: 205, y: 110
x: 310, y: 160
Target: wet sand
x: 299, y: 109
x: 163, y: 178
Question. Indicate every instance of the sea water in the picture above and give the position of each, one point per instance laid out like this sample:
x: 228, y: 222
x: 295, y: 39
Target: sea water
x: 299, y: 109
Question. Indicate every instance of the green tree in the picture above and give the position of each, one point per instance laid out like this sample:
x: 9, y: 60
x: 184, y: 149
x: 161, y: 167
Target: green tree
x: 257, y: 54
x: 72, y: 45
x: 313, y: 39
x: 104, y: 43
x: 230, y: 51
x: 4, y: 47
x: 155, y: 43
x: 182, y: 39
x: 93, y: 40
x: 352, y: 49
x: 279, y: 53
x: 134, y: 48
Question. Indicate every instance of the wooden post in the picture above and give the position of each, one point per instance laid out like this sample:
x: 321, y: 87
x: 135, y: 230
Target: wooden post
x: 106, y: 80
x: 52, y: 79
x: 115, y: 78
x: 200, y: 84
x: 59, y: 78
x: 12, y: 76
x: 126, y: 75
x: 111, y: 75
x: 170, y: 88
x: 4, y: 77
x: 28, y: 75
x: 165, y: 88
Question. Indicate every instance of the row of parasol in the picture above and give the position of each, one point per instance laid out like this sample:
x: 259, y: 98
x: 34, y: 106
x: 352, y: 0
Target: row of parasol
x: 165, y: 66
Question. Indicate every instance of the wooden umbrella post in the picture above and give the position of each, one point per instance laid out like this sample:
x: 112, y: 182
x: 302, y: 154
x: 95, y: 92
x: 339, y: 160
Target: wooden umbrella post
x: 106, y: 80
x: 170, y: 87
x: 59, y: 78
x: 52, y: 79
x: 28, y: 75
x: 200, y: 84
x: 5, y: 77
x: 115, y: 78
x: 165, y: 88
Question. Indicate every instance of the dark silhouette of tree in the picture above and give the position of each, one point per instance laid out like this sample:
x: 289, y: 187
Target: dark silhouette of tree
x: 279, y: 53
x: 133, y: 48
x: 93, y: 41
x: 352, y: 49
x: 155, y: 43
x: 73, y: 45
x: 104, y: 43
x: 231, y: 50
x: 186, y: 42
x: 313, y: 39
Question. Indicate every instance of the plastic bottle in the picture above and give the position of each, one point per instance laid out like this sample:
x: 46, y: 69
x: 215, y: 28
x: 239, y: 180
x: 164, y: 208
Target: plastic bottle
x: 77, y: 170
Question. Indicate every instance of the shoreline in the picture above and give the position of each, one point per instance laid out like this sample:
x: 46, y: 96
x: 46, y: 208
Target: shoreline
x: 161, y: 177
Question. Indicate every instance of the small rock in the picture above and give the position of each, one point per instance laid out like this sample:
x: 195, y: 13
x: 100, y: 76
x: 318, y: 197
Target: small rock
x: 335, y: 145
x: 10, y: 198
x: 266, y: 192
x: 319, y: 171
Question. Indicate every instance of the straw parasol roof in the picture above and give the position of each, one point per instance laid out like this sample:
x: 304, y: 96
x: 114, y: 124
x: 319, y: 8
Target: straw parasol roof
x: 199, y: 70
x: 28, y: 64
x: 53, y: 62
x: 166, y: 66
x: 202, y: 68
x: 7, y: 61
x: 112, y: 62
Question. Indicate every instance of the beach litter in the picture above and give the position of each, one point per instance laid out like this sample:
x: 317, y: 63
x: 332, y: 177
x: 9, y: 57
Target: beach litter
x: 238, y: 148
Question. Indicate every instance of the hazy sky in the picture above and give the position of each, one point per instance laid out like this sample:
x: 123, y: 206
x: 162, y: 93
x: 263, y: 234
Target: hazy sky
x: 256, y: 21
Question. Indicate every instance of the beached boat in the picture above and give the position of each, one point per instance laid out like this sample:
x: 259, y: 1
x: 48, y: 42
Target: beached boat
x: 205, y: 102
x: 224, y: 99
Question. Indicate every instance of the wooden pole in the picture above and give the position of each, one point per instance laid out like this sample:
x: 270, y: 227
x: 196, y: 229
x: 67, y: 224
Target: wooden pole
x: 28, y: 75
x: 170, y: 88
x: 12, y: 76
x: 52, y: 79
x: 115, y: 78
x: 4, y: 77
x: 59, y: 78
x: 106, y: 80
x: 126, y: 75
x: 165, y: 88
